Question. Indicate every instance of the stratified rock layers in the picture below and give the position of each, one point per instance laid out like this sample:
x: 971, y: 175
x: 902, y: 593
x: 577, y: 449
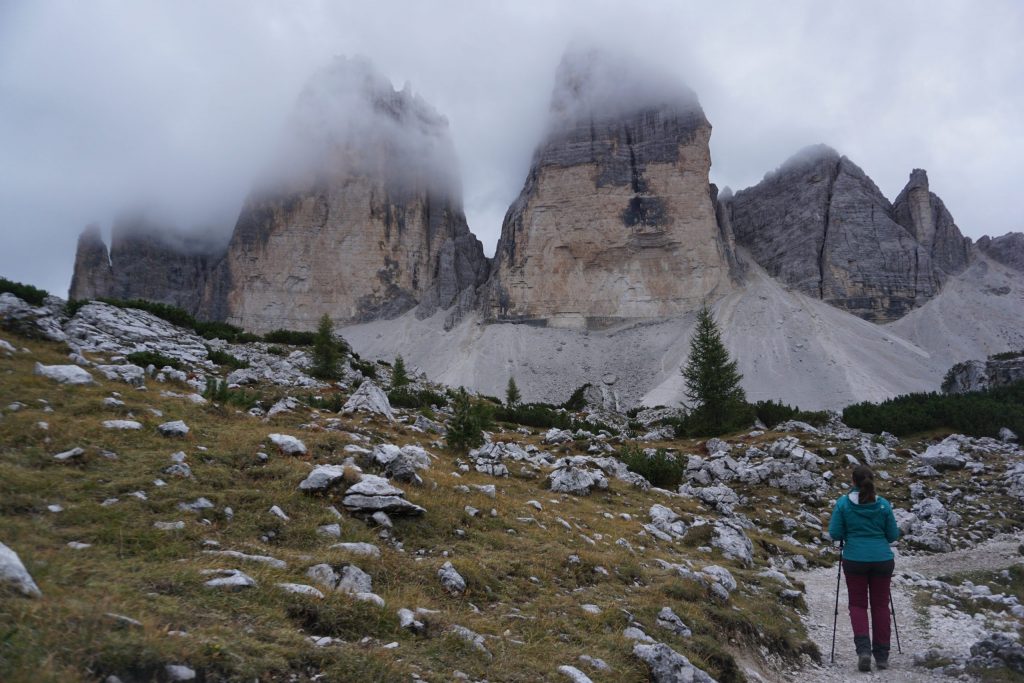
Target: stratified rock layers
x: 616, y: 219
x: 820, y: 225
x: 1008, y: 249
x: 373, y: 228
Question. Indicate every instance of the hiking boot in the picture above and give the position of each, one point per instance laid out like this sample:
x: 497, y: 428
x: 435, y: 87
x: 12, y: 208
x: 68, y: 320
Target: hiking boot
x: 881, y: 653
x: 863, y: 645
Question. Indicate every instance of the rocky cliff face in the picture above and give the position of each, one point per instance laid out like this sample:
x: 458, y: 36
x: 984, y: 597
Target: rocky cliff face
x: 1008, y: 249
x: 617, y: 217
x: 975, y: 375
x: 144, y: 262
x: 364, y: 219
x: 822, y: 226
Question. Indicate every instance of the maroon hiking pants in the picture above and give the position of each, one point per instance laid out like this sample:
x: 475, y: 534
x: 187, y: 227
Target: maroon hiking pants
x: 867, y: 584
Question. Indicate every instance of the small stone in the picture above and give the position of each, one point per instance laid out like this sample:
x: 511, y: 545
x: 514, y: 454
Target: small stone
x: 179, y: 673
x: 78, y: 545
x: 451, y: 580
x: 174, y: 428
x: 64, y: 374
x: 279, y: 513
x: 73, y: 454
x: 288, y: 445
x: 333, y: 530
x: 574, y: 674
x: 169, y: 526
x: 301, y: 589
x: 122, y: 424
x: 228, y: 578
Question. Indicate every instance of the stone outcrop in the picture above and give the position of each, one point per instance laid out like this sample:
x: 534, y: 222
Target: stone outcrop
x: 617, y: 217
x: 363, y: 221
x: 145, y: 261
x: 820, y: 225
x: 975, y: 375
x: 1008, y: 249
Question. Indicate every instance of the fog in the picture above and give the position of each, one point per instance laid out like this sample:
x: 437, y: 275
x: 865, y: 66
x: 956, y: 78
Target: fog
x: 180, y: 107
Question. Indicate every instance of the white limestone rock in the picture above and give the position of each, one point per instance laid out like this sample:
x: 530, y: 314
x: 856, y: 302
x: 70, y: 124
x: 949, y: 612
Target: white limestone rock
x: 375, y: 494
x: 173, y: 428
x: 122, y: 425
x: 129, y: 374
x: 369, y: 398
x: 228, y: 578
x: 288, y: 445
x: 668, y: 666
x: 451, y: 580
x: 577, y: 481
x: 13, y: 573
x: 322, y: 478
x: 64, y: 374
x: 300, y: 589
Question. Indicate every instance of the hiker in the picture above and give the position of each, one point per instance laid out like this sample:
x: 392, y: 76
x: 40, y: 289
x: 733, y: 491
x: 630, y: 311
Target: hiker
x: 865, y: 523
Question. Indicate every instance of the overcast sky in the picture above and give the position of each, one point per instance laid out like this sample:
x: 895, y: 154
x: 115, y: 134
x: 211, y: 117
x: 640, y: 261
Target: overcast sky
x: 106, y: 106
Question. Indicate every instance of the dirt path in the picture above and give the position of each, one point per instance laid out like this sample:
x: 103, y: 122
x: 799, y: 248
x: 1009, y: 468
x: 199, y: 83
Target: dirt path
x: 918, y: 632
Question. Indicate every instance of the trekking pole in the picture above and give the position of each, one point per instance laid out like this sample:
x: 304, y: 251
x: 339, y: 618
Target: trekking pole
x: 835, y: 618
x: 892, y: 610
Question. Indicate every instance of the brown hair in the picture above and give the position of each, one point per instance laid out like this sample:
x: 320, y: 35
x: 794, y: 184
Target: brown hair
x: 864, y: 480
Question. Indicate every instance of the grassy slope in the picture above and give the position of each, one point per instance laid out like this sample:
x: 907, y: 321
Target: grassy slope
x: 523, y: 590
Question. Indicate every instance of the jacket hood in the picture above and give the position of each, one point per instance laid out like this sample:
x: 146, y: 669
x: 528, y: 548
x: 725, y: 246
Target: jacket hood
x: 867, y: 509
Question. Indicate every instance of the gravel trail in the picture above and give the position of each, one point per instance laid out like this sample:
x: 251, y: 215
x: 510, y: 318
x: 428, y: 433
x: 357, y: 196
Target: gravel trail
x: 918, y: 631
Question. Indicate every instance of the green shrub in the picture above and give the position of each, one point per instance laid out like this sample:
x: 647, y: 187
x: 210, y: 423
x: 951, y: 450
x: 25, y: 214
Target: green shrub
x: 576, y: 400
x: 771, y: 413
x: 369, y: 370
x: 224, y: 358
x: 276, y: 351
x: 27, y: 293
x: 217, y: 391
x: 540, y: 415
x: 292, y: 337
x: 469, y: 420
x: 333, y: 402
x: 406, y: 397
x: 661, y: 469
x: 73, y: 305
x: 980, y: 413
x: 145, y: 358
x: 1006, y: 355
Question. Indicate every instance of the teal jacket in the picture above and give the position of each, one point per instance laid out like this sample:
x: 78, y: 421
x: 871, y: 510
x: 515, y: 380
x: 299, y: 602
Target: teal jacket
x: 867, y: 528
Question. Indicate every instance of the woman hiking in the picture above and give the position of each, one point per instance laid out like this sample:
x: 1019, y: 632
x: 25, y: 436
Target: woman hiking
x: 864, y: 521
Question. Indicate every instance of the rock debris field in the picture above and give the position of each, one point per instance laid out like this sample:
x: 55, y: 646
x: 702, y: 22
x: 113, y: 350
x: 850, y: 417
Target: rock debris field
x: 285, y: 528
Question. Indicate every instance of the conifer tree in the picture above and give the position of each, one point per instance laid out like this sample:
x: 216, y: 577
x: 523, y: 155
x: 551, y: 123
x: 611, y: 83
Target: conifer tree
x: 325, y: 351
x: 512, y: 395
x: 468, y: 422
x: 399, y: 376
x: 717, y: 402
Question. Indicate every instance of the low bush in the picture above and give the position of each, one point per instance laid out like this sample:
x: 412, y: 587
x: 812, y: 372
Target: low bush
x: 539, y: 415
x: 276, y: 351
x: 469, y: 420
x: 1006, y: 355
x: 771, y: 413
x: 217, y: 391
x: 27, y: 293
x: 407, y: 397
x: 292, y: 337
x: 145, y: 358
x: 224, y: 358
x: 576, y: 400
x: 659, y: 468
x: 979, y: 413
x: 368, y: 369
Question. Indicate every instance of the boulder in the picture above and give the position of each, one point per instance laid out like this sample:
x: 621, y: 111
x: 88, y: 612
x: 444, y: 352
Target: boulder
x: 669, y: 620
x: 945, y: 455
x: 730, y: 538
x: 665, y: 665
x: 129, y: 374
x: 451, y: 580
x: 228, y: 578
x: 14, y: 574
x: 322, y: 478
x: 288, y: 445
x: 122, y: 424
x: 577, y: 481
x: 374, y: 494
x: 174, y: 428
x: 369, y: 398
x: 64, y: 374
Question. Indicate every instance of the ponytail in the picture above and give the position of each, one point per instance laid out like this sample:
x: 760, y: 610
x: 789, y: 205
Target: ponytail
x: 864, y: 480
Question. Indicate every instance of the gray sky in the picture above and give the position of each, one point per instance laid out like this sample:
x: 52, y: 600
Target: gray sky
x: 106, y: 106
